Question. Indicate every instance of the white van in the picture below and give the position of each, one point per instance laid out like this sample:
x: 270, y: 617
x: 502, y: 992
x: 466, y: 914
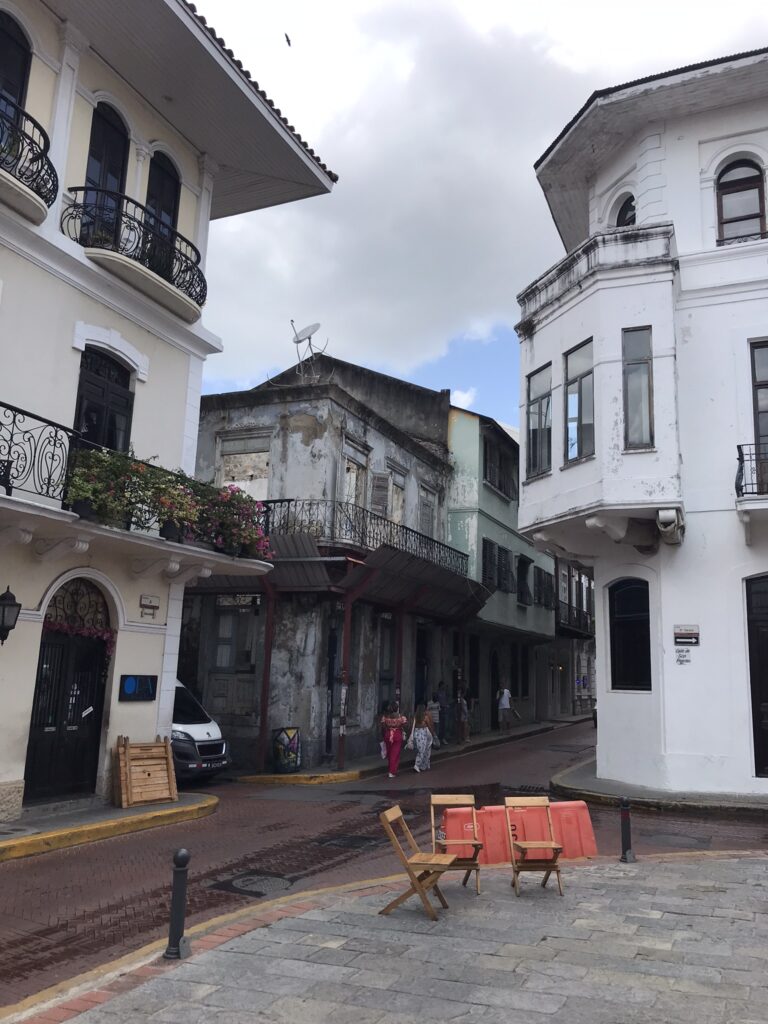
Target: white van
x: 199, y: 749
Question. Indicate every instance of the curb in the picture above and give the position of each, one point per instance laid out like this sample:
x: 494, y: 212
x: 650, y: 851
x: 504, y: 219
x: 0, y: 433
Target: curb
x: 79, y: 835
x: 560, y: 787
x: 328, y: 778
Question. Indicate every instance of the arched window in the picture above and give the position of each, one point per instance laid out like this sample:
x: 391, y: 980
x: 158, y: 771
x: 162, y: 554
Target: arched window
x: 104, y: 401
x: 163, y: 190
x: 630, y: 635
x: 740, y: 201
x: 625, y: 218
x: 14, y: 66
x: 104, y: 179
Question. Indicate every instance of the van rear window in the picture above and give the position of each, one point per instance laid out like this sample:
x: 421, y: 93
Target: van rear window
x: 186, y: 710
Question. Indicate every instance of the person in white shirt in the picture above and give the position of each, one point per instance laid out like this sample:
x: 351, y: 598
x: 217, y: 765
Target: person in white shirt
x: 504, y: 697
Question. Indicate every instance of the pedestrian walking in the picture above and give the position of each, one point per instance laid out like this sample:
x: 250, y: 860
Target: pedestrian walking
x: 462, y: 716
x: 392, y: 723
x: 433, y: 707
x: 421, y: 736
x: 444, y: 702
x: 504, y: 698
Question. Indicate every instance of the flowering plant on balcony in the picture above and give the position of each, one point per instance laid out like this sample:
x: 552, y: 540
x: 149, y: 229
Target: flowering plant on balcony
x: 106, y: 483
x: 173, y: 501
x: 232, y: 520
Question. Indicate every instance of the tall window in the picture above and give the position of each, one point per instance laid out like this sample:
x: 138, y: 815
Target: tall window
x: 163, y: 189
x: 630, y: 633
x: 638, y: 378
x: 740, y: 202
x: 104, y: 178
x: 760, y: 394
x: 14, y: 67
x: 104, y: 401
x: 499, y: 468
x: 579, y: 403
x: 539, y: 454
x: 625, y: 218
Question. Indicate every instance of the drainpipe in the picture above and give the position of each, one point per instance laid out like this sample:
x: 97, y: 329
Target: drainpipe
x: 346, y: 655
x: 269, y: 636
x: 399, y: 626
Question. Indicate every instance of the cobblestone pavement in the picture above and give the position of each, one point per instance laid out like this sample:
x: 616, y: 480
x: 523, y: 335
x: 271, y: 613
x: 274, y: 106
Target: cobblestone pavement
x: 65, y: 912
x: 671, y: 942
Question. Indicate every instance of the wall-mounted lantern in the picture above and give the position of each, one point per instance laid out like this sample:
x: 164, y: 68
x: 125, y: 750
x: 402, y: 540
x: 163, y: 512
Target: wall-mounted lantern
x: 9, y: 614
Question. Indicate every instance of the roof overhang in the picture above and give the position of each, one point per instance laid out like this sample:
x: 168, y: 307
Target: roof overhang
x: 612, y: 117
x: 165, y: 52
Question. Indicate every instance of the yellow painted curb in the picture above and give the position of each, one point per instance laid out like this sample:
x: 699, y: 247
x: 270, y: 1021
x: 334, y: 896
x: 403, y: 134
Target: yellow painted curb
x: 61, y: 838
x: 301, y: 780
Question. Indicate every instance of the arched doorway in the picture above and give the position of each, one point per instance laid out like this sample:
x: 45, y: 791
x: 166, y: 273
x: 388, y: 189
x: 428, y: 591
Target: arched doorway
x: 65, y: 729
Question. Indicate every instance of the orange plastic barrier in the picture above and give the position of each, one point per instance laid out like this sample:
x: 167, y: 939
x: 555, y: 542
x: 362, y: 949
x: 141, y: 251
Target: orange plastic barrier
x: 457, y: 824
x: 570, y: 821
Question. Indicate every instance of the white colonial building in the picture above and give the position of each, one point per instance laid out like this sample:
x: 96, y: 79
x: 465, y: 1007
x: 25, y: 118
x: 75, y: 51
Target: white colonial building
x: 645, y: 403
x: 124, y: 129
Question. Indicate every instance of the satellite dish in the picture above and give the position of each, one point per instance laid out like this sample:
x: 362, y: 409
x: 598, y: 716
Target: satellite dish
x: 305, y: 333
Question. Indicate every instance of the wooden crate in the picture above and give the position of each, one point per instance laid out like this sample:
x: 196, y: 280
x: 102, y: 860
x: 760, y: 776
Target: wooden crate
x: 143, y: 773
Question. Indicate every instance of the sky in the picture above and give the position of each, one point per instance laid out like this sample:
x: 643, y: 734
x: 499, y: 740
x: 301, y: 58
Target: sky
x: 432, y: 113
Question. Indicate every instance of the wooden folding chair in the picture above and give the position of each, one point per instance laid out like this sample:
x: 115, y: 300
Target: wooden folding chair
x: 424, y: 869
x: 524, y: 853
x: 469, y: 864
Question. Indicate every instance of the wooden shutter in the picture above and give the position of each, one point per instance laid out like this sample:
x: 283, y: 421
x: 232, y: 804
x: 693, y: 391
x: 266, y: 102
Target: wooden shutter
x: 426, y: 513
x: 502, y: 570
x: 380, y: 494
x: 489, y: 564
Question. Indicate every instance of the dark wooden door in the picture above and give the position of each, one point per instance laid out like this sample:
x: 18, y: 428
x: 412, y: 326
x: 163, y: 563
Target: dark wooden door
x: 757, y: 620
x: 64, y: 735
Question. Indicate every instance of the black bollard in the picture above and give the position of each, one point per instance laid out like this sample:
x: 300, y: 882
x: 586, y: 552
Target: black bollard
x: 627, y: 857
x: 178, y: 946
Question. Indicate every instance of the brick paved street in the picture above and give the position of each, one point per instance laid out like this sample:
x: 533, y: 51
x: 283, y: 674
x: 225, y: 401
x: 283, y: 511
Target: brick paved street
x: 64, y: 912
x: 670, y: 942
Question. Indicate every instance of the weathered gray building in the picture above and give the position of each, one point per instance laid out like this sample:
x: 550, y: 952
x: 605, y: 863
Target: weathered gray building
x: 367, y: 601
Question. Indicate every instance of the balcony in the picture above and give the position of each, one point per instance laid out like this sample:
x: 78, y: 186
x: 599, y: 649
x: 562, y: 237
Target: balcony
x: 28, y: 180
x: 125, y: 238
x: 334, y: 523
x: 751, y: 485
x: 619, y: 250
x: 574, y: 621
x: 61, y: 495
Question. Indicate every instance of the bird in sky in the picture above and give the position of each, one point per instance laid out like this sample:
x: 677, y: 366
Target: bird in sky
x: 287, y: 39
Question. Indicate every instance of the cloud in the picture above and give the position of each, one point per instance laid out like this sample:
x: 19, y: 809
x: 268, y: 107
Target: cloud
x: 464, y: 399
x: 435, y: 224
x: 432, y: 112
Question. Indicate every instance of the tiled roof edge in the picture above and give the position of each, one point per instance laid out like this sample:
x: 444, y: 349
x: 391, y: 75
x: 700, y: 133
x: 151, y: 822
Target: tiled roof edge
x: 255, y: 86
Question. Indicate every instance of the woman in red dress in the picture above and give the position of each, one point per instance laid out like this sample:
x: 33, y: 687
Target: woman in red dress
x: 392, y: 723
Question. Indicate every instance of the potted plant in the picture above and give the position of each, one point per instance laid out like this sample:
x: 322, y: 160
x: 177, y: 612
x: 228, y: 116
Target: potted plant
x: 232, y: 521
x: 175, y: 506
x: 96, y: 487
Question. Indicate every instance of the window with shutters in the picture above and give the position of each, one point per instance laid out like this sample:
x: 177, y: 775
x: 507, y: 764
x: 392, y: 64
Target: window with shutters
x: 489, y: 570
x: 380, y: 494
x: 502, y: 570
x: 104, y: 401
x: 499, y: 468
x: 538, y: 585
x: 427, y: 512
x: 524, y: 595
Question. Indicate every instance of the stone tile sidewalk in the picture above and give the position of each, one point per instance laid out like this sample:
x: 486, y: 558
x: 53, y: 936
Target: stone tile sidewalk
x: 668, y: 941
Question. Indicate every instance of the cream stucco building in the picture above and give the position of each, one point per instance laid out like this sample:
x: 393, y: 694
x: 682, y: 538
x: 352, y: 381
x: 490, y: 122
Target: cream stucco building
x: 124, y: 129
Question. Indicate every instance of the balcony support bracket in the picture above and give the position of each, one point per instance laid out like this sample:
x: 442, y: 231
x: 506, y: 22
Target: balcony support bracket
x: 187, y: 573
x: 14, y: 535
x: 52, y: 550
x: 746, y: 522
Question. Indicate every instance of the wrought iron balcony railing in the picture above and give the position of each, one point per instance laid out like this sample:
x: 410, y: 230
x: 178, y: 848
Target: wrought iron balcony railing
x: 34, y: 453
x: 24, y: 151
x: 339, y: 522
x: 752, y: 470
x: 575, y: 618
x: 53, y: 462
x: 98, y: 219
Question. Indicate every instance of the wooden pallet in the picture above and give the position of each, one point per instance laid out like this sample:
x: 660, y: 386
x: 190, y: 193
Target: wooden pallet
x: 143, y: 773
